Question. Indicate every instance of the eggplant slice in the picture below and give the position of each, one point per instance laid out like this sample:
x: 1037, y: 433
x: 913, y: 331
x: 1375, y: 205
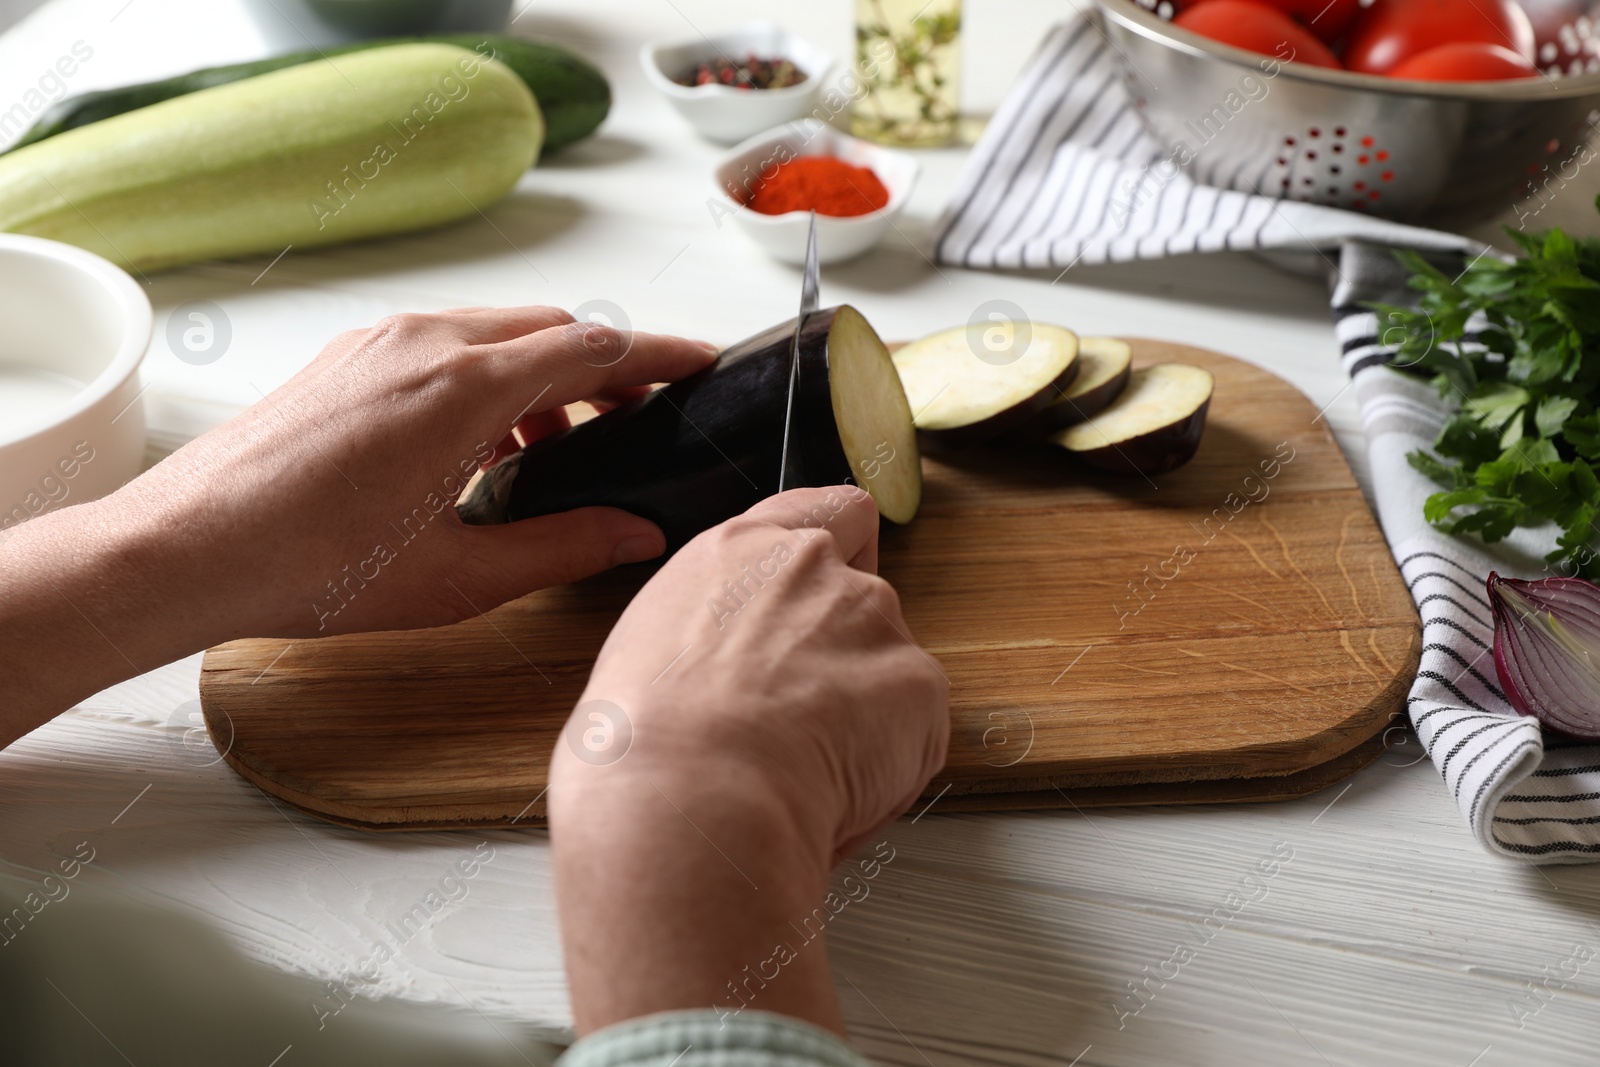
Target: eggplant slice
x: 1104, y: 364
x: 1154, y: 426
x: 873, y: 417
x: 700, y: 451
x: 972, y: 383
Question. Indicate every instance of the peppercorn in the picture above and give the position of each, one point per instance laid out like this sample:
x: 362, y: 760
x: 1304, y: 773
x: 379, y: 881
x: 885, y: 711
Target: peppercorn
x: 754, y: 73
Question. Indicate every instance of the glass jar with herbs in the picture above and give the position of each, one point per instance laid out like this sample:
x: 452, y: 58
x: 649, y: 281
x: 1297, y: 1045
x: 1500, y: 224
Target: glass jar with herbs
x: 908, y: 57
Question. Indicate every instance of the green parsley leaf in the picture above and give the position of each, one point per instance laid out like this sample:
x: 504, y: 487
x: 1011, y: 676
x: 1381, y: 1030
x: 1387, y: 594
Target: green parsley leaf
x: 1514, y: 346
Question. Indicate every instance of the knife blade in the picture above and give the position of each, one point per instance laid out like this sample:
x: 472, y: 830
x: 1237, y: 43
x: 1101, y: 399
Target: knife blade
x: 809, y: 285
x: 810, y: 281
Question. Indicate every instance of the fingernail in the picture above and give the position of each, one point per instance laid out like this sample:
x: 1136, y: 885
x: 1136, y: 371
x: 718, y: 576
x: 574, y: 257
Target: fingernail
x: 715, y: 350
x: 637, y: 549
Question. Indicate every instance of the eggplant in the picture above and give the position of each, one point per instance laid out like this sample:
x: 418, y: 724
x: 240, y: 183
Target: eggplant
x: 1153, y: 427
x: 973, y: 383
x: 700, y: 451
x: 1104, y: 364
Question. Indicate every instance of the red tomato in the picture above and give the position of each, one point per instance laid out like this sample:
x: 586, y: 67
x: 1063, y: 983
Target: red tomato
x: 1392, y: 31
x: 1564, y: 35
x: 1328, y: 19
x: 1466, y: 61
x: 1256, y: 27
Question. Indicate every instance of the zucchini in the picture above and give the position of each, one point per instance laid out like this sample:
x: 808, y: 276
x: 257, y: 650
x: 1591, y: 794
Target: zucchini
x: 572, y: 94
x: 702, y: 450
x: 388, y: 140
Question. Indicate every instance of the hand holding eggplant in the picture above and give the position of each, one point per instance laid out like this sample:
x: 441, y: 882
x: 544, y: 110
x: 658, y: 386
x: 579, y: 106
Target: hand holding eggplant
x: 775, y: 709
x: 326, y: 507
x: 349, y: 470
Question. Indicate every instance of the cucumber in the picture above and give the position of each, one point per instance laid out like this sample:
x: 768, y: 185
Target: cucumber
x: 385, y: 141
x: 572, y: 94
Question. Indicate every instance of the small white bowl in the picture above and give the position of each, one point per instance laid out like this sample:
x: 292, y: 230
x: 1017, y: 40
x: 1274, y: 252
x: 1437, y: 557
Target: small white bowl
x: 838, y: 237
x: 722, y: 113
x: 292, y: 25
x: 73, y: 330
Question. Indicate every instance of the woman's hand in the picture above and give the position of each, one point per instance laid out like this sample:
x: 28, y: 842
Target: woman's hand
x: 326, y: 507
x: 758, y: 712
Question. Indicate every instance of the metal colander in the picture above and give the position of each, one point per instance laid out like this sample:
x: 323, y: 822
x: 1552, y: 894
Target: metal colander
x: 1433, y: 153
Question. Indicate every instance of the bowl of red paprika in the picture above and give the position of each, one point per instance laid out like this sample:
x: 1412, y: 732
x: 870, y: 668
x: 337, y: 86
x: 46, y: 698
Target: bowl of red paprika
x: 772, y: 183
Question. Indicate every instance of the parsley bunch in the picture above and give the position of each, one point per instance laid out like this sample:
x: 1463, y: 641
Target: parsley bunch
x: 1517, y: 346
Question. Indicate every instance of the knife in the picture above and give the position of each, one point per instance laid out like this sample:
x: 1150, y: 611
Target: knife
x: 808, y: 304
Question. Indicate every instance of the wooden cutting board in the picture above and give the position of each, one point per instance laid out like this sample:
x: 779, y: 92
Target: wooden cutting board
x: 1233, y: 630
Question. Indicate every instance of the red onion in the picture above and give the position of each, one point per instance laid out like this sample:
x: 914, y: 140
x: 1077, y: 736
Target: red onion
x: 1547, y: 650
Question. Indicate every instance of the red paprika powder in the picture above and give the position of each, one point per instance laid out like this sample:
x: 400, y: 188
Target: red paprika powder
x: 824, y: 184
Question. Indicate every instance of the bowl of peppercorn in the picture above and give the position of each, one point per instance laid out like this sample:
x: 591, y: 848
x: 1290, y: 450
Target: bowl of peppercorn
x: 772, y: 183
x: 735, y: 84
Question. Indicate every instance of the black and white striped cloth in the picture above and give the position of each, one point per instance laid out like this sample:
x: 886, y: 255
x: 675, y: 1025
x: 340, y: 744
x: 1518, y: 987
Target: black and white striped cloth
x: 1042, y: 189
x: 1525, y: 793
x: 1066, y: 174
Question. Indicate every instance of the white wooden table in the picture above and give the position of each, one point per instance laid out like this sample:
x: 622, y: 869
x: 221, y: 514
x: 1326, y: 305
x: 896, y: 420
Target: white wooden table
x: 1388, y: 937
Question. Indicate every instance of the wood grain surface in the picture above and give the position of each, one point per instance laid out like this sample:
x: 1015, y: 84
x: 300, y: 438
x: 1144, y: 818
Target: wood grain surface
x: 1232, y: 630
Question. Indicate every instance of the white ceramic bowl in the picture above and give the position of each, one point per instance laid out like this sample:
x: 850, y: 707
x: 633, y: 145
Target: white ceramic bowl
x: 294, y: 25
x: 784, y: 236
x: 720, y: 112
x: 73, y: 330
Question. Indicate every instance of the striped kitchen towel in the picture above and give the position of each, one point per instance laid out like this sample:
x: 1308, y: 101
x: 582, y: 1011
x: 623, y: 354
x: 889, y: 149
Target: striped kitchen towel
x: 1066, y: 174
x: 1526, y: 793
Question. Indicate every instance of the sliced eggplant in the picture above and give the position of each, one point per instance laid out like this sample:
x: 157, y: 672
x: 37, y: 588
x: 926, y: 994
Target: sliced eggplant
x: 1152, y: 427
x: 873, y: 418
x: 973, y: 383
x: 1104, y: 364
x: 700, y: 451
